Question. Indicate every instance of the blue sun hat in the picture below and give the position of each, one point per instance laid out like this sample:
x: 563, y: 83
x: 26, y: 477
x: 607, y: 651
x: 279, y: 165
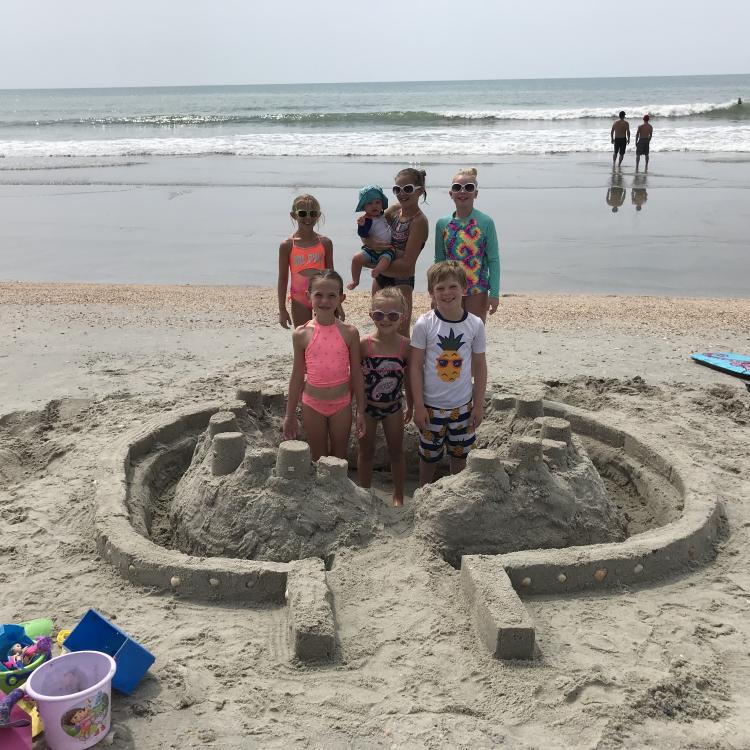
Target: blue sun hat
x: 371, y: 193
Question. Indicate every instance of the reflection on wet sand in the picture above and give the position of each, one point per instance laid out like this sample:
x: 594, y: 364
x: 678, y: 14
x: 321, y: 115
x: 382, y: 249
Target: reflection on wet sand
x: 638, y: 193
x: 615, y: 192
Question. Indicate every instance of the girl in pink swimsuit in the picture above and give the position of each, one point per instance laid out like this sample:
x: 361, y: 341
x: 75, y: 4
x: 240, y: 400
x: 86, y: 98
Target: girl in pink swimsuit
x: 301, y: 255
x: 325, y: 374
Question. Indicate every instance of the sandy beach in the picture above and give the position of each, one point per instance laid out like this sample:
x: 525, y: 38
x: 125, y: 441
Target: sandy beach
x: 664, y: 665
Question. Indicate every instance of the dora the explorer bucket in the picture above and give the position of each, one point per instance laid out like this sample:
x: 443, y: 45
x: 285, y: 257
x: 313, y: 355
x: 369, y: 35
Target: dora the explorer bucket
x: 73, y: 695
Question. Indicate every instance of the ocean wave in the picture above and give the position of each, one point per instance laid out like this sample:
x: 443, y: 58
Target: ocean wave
x: 415, y: 118
x: 425, y: 142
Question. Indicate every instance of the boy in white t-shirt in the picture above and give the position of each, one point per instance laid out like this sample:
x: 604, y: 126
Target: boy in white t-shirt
x: 448, y: 372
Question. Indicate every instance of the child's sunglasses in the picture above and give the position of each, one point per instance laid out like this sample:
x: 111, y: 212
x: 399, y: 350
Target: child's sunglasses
x: 467, y: 187
x: 378, y: 315
x: 304, y: 214
x: 406, y: 189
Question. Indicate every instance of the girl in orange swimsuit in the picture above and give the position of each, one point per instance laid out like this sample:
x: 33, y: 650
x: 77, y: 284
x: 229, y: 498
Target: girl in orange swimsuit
x: 325, y: 374
x: 301, y: 255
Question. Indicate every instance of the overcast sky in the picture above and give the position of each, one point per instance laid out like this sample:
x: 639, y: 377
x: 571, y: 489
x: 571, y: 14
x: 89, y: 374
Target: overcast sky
x: 86, y: 43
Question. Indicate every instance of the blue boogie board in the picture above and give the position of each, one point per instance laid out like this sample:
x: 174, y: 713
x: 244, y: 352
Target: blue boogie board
x: 728, y: 362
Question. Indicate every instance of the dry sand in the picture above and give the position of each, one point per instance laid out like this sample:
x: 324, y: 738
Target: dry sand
x: 664, y: 666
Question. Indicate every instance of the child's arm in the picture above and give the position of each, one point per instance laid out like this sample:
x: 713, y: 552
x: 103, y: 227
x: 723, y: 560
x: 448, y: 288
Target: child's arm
x: 328, y: 247
x: 492, y: 250
x: 407, y: 384
x: 416, y: 375
x: 358, y: 382
x: 364, y: 224
x: 479, y: 371
x: 283, y: 283
x: 439, y: 241
x: 296, y: 383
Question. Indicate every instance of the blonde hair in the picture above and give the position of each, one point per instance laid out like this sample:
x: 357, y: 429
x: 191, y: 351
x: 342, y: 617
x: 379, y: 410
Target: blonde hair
x: 392, y: 294
x: 448, y: 269
x: 466, y: 172
x: 306, y: 199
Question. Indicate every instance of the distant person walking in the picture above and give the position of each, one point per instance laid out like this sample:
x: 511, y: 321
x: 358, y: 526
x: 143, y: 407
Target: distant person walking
x: 620, y: 135
x: 642, y: 142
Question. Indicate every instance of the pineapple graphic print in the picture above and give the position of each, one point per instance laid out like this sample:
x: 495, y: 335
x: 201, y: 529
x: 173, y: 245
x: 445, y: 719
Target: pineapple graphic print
x: 449, y: 362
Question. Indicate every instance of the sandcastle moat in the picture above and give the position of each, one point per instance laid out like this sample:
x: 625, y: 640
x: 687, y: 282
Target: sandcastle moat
x: 551, y: 501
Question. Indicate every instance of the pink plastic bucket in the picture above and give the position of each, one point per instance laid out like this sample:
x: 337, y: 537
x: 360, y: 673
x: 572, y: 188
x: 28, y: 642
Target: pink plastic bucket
x: 73, y: 694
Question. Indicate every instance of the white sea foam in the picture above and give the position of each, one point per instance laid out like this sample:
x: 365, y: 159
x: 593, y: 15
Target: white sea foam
x: 415, y: 142
x: 585, y: 113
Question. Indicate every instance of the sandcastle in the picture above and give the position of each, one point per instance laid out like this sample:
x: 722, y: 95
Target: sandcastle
x: 213, y: 507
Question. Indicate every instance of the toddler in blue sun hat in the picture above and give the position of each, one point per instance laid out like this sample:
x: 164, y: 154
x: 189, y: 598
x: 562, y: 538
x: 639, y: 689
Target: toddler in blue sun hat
x: 375, y: 231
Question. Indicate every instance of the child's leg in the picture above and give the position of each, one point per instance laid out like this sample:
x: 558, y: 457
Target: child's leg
x: 432, y: 443
x: 393, y: 427
x: 339, y: 428
x: 316, y: 430
x: 301, y: 314
x: 476, y: 304
x: 457, y: 465
x: 405, y: 328
x: 460, y: 438
x: 366, y: 452
x: 358, y: 261
x: 426, y: 472
x: 382, y: 265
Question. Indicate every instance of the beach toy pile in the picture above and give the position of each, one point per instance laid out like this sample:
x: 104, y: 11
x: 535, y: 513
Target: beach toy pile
x: 68, y: 697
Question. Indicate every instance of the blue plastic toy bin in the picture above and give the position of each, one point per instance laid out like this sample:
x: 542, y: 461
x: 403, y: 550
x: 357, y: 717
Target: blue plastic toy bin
x: 96, y: 633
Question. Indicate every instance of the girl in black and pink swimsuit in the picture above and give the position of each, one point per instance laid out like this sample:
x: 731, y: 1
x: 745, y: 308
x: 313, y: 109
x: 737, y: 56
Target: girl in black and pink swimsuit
x: 385, y: 360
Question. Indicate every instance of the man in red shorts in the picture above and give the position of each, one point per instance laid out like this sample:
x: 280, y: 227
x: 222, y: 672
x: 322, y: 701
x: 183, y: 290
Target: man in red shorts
x: 642, y: 142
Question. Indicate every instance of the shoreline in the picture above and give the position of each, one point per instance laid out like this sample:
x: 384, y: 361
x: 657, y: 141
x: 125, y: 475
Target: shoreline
x: 219, y: 220
x: 671, y: 312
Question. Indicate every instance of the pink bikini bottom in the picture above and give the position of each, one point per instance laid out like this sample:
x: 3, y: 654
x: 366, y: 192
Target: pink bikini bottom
x: 325, y: 407
x: 298, y: 289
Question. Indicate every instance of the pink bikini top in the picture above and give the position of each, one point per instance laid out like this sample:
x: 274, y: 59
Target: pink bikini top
x: 327, y: 356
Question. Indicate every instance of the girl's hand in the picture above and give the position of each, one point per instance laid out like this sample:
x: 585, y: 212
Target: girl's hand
x: 494, y: 302
x: 291, y: 427
x: 361, y: 219
x: 360, y: 425
x: 284, y: 320
x: 420, y: 417
x: 477, y: 415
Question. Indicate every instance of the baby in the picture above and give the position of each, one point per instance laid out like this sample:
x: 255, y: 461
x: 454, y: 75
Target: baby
x: 372, y: 226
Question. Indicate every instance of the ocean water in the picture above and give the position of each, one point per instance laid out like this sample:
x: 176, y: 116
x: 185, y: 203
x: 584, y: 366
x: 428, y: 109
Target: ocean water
x: 417, y: 120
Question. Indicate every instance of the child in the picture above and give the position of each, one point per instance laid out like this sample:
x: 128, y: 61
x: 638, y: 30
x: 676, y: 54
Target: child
x: 469, y: 236
x: 385, y: 359
x: 372, y: 226
x: 301, y: 255
x: 326, y: 371
x: 447, y: 350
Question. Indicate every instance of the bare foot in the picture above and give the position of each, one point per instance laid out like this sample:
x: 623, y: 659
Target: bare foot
x: 398, y: 502
x: 352, y: 285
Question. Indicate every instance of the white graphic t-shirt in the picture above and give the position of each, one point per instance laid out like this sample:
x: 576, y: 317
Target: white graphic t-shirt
x: 448, y: 346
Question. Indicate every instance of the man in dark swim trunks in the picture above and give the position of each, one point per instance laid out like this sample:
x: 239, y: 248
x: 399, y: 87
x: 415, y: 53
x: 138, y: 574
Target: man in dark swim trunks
x: 620, y: 135
x: 643, y: 141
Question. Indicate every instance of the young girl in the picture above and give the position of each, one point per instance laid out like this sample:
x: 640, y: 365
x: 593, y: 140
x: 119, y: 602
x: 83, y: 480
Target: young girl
x: 302, y: 254
x: 469, y: 237
x: 326, y: 371
x: 409, y: 230
x: 385, y: 359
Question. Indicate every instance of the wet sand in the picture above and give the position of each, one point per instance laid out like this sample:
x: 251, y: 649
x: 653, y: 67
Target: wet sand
x: 219, y: 220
